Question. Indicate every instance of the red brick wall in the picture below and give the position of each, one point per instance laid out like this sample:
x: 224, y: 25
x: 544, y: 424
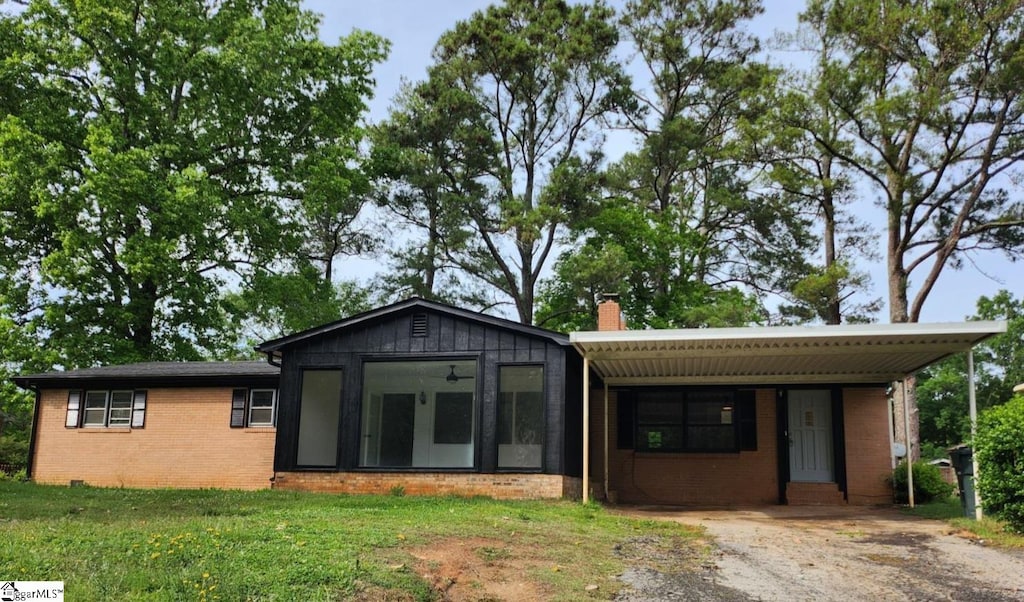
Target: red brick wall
x: 868, y: 455
x: 749, y: 477
x: 187, y: 442
x: 500, y: 486
x: 609, y: 316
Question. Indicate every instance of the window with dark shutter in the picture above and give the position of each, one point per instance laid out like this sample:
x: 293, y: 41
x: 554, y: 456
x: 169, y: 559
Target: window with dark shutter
x: 419, y: 325
x: 74, y: 407
x: 238, y: 398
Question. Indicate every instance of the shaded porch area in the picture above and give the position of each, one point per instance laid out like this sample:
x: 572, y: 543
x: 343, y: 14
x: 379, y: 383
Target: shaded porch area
x: 669, y: 417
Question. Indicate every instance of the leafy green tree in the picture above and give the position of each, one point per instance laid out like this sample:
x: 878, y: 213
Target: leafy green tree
x: 930, y: 92
x: 998, y: 365
x: 541, y: 73
x: 699, y: 246
x: 1000, y: 451
x: 152, y: 154
x: 433, y: 153
x: 797, y: 134
x: 278, y: 304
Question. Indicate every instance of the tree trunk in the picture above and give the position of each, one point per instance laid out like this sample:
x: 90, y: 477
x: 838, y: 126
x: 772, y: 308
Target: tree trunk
x: 898, y: 314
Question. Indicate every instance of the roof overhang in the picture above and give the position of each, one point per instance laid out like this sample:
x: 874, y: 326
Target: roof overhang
x: 844, y: 354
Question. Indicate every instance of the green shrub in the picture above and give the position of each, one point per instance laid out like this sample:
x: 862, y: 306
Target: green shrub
x: 17, y: 476
x: 1000, y: 450
x: 12, y: 450
x: 928, y: 483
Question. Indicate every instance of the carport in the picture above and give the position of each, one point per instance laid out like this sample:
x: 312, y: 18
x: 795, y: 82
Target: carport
x: 861, y: 355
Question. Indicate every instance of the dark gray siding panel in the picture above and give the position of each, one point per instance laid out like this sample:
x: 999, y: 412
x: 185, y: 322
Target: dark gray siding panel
x: 573, y: 404
x: 447, y: 336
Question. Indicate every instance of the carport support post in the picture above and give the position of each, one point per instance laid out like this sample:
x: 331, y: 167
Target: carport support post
x: 973, y: 407
x: 586, y: 429
x: 606, y: 441
x: 906, y: 434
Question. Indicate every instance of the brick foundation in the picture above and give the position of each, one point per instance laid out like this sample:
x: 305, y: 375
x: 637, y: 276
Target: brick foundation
x: 499, y: 486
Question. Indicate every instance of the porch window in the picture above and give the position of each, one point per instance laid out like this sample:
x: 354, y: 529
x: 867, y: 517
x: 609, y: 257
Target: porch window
x: 419, y: 414
x: 681, y: 420
x: 319, y: 411
x: 521, y: 417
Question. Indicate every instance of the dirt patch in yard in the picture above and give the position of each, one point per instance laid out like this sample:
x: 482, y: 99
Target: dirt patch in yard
x: 479, y: 570
x: 775, y: 553
x: 838, y: 553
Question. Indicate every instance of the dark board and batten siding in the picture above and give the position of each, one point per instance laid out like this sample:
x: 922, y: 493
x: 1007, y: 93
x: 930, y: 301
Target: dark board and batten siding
x: 446, y: 336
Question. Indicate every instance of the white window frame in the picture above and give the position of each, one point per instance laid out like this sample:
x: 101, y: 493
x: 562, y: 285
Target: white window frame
x: 252, y: 406
x: 126, y: 421
x: 131, y: 409
x: 86, y: 410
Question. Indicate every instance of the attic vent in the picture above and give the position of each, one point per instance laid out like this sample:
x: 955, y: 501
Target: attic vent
x: 419, y: 325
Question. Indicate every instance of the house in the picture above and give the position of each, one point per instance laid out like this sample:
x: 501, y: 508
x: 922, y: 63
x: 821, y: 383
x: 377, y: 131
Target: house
x: 424, y: 397
x: 155, y: 424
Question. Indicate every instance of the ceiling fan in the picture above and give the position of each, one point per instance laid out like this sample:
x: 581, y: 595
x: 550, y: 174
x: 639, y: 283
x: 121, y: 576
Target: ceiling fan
x: 454, y: 378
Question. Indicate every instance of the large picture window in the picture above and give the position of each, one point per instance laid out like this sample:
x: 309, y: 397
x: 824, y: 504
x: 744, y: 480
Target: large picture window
x: 521, y: 417
x: 419, y: 414
x: 690, y: 420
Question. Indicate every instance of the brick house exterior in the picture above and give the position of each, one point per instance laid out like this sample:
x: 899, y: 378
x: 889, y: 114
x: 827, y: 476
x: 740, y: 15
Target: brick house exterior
x: 432, y: 399
x: 179, y: 434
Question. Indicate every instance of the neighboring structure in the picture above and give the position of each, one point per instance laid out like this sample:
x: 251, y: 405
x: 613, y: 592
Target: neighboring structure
x: 424, y: 397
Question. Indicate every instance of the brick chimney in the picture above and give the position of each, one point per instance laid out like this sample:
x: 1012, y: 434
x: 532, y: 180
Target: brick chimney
x: 609, y: 313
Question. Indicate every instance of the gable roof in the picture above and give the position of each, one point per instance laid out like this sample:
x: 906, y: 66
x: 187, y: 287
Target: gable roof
x: 156, y: 373
x: 412, y: 304
x: 844, y: 354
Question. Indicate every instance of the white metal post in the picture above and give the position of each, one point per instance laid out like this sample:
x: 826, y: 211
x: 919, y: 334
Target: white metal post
x: 606, y: 441
x: 973, y: 408
x: 586, y: 429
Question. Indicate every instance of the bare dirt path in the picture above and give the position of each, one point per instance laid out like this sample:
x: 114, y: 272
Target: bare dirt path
x: 829, y: 553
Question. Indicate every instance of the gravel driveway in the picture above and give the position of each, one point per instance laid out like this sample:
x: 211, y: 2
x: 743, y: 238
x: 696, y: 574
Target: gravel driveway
x: 829, y: 553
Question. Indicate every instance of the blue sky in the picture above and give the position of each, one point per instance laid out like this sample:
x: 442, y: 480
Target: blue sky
x: 413, y: 26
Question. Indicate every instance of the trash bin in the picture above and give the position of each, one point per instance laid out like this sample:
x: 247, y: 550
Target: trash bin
x: 962, y: 458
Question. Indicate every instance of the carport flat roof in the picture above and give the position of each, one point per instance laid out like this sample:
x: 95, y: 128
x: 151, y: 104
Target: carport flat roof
x: 846, y: 354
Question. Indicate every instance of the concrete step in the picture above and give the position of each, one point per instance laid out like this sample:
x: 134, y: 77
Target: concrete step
x: 814, y: 494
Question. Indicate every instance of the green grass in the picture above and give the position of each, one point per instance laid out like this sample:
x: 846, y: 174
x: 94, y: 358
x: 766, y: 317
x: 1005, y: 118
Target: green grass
x: 989, y: 529
x: 272, y: 545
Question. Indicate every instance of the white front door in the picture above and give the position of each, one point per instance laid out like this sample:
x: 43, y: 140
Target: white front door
x: 810, y: 435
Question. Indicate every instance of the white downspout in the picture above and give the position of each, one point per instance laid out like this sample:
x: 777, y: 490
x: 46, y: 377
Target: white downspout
x: 586, y: 429
x: 909, y: 454
x: 973, y: 406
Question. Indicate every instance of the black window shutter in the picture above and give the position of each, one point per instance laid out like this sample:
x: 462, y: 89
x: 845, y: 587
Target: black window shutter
x: 73, y: 418
x: 625, y: 420
x: 238, y: 398
x: 746, y: 403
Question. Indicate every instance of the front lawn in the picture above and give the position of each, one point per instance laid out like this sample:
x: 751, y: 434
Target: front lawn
x: 273, y: 545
